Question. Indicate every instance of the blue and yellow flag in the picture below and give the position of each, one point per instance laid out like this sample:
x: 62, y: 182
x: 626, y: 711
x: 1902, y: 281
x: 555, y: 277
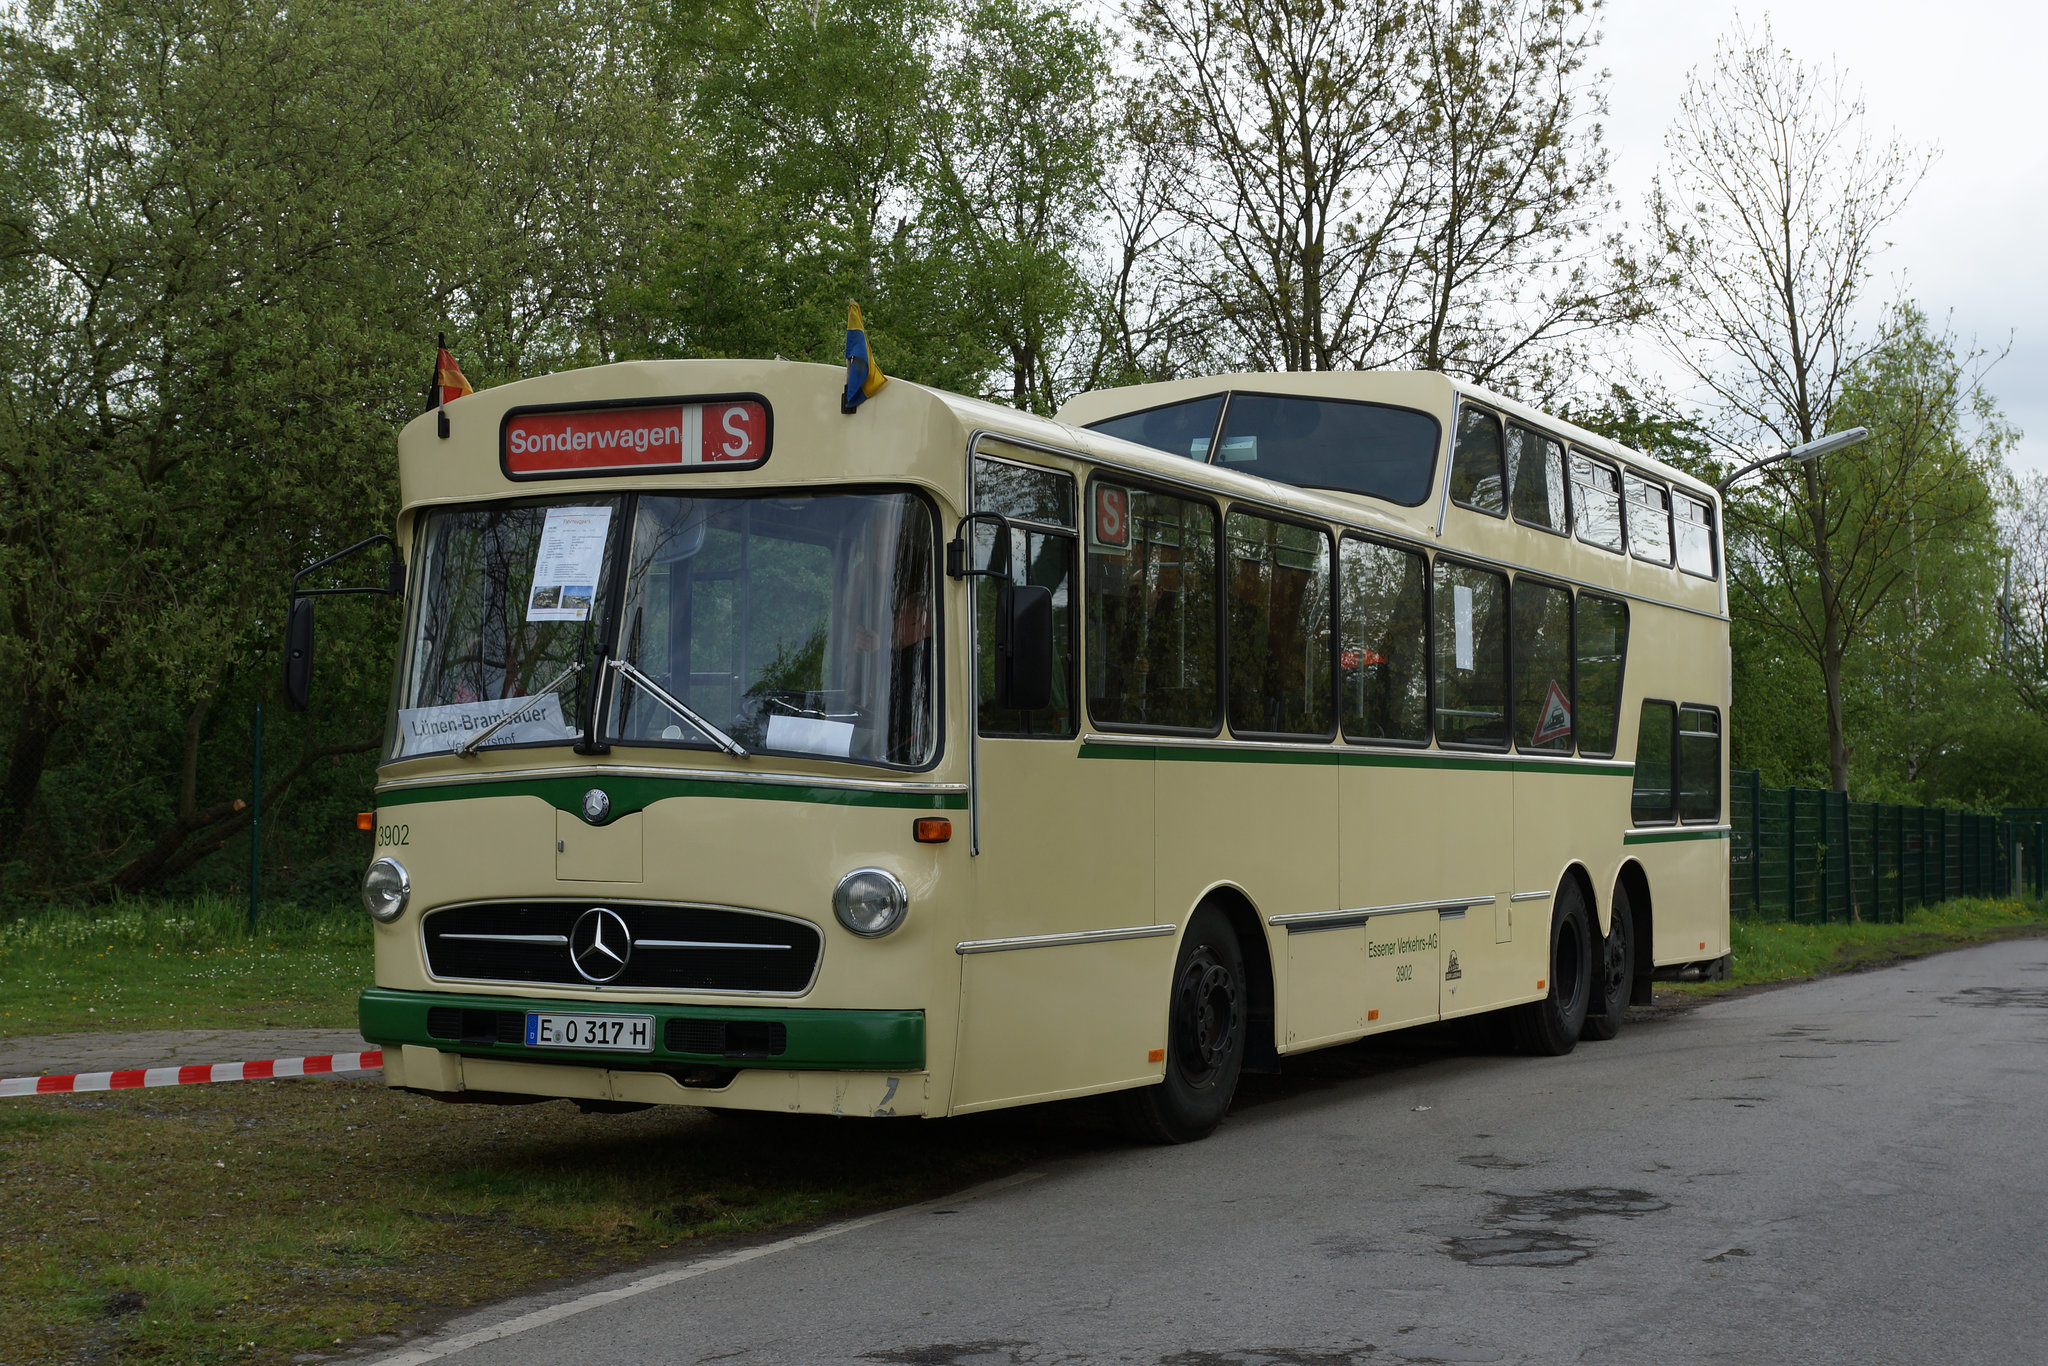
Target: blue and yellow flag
x: 864, y: 378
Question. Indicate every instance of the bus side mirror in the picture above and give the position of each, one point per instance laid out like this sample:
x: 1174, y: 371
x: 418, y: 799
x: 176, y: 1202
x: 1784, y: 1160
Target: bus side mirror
x: 298, y: 654
x: 1023, y: 646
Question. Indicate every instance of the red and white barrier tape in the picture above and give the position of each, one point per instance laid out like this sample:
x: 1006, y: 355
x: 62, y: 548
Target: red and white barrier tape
x: 194, y: 1075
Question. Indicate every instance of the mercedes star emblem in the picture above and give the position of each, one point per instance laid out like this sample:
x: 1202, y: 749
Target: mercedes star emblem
x: 596, y: 806
x: 600, y: 944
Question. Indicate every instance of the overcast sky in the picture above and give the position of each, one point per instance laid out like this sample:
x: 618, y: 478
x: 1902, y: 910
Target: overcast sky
x: 1964, y: 76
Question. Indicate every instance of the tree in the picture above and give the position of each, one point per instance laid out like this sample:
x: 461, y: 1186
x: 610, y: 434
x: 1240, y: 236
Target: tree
x: 1885, y: 573
x: 2023, y: 599
x: 1383, y: 183
x: 1768, y: 210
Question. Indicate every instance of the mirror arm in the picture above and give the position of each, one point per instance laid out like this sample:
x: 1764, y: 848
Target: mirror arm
x: 956, y: 549
x: 395, y: 587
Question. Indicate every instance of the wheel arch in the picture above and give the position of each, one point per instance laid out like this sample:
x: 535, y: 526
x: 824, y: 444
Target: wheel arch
x: 1634, y: 883
x: 1262, y: 1053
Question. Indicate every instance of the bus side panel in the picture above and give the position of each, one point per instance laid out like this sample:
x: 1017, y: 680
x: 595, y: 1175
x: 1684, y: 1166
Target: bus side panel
x: 1066, y: 848
x: 1267, y: 825
x: 1562, y: 817
x: 1689, y: 897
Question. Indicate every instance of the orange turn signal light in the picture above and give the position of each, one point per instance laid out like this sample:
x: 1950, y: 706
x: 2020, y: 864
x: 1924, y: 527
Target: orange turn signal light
x: 366, y: 820
x: 932, y: 829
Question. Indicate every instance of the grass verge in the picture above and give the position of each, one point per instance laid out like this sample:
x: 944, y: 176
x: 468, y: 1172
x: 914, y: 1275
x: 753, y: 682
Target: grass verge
x: 1779, y: 951
x: 191, y: 964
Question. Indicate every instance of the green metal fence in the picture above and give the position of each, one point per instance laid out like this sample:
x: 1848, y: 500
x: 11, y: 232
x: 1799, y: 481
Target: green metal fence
x: 1808, y: 855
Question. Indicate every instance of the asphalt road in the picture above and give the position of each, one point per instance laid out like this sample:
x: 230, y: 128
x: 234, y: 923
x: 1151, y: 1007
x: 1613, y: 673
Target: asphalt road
x: 1848, y: 1171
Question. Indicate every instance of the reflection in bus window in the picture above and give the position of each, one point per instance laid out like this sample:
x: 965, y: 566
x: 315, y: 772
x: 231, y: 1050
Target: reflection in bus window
x: 1369, y: 448
x: 1649, y: 520
x: 1471, y: 609
x: 1183, y: 429
x: 1543, y: 667
x: 1536, y: 471
x: 1382, y: 658
x: 1695, y: 525
x: 1699, y: 764
x: 799, y: 625
x: 1601, y: 644
x: 1477, y: 479
x: 1151, y: 617
x: 1651, y: 803
x: 1596, y: 501
x: 1277, y: 584
x: 1041, y: 555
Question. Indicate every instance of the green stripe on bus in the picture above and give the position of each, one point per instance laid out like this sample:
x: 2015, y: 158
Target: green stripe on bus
x: 1667, y: 836
x: 852, y: 1040
x: 630, y: 793
x: 1352, y: 758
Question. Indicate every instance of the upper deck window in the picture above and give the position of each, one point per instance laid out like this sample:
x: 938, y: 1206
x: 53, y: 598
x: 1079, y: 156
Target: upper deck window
x: 1317, y: 443
x: 1596, y: 498
x: 1694, y: 521
x: 1649, y: 519
x: 1536, y: 465
x: 1478, y: 477
x: 1183, y: 429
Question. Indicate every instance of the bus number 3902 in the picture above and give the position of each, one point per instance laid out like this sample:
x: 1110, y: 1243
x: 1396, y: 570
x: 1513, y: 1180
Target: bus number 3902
x: 393, y: 834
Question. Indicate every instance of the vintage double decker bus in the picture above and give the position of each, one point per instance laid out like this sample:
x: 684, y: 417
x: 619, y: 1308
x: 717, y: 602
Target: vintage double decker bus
x: 936, y: 757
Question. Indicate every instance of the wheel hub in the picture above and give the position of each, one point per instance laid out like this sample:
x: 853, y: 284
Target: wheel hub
x: 1207, y: 1015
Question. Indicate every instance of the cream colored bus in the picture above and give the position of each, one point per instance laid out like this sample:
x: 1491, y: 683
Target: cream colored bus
x: 938, y: 757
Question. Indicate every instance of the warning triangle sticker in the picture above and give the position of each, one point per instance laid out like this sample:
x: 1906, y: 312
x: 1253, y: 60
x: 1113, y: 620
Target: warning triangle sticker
x: 1556, y: 721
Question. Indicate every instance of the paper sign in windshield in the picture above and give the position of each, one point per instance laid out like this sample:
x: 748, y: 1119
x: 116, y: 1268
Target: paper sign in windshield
x: 435, y: 730
x: 567, y: 565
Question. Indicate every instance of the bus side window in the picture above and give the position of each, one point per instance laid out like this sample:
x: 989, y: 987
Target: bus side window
x: 1652, y: 803
x: 1040, y: 506
x: 1278, y: 593
x: 1596, y: 498
x: 1382, y: 658
x: 1543, y: 667
x: 1471, y: 610
x: 1695, y: 523
x: 1649, y: 520
x: 1699, y: 763
x: 1600, y: 642
x: 1151, y: 610
x: 1478, y: 478
x: 1536, y: 468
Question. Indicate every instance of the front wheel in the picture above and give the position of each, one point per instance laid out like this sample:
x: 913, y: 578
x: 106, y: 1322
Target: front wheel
x: 1205, y: 1036
x: 1550, y: 1027
x: 1616, y: 975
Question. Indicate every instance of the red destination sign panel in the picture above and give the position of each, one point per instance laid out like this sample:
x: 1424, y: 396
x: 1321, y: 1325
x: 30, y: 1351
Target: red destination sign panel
x: 664, y: 436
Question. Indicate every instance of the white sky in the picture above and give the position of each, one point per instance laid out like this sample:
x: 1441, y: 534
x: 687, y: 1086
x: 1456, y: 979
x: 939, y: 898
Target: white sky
x: 1964, y: 76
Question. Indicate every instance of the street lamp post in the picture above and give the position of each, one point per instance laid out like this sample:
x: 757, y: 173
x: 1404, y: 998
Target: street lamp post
x: 1818, y: 447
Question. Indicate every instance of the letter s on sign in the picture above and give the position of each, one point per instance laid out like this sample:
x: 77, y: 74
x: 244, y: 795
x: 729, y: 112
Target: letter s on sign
x: 743, y: 440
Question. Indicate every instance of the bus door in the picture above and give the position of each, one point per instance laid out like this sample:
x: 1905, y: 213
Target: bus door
x: 1060, y: 932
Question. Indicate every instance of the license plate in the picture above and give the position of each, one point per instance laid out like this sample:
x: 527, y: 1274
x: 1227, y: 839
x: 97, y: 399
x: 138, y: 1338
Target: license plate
x: 619, y: 1033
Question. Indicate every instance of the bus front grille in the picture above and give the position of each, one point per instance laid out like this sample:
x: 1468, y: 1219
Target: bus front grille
x: 684, y: 948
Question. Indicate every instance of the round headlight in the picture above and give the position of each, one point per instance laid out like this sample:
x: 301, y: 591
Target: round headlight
x: 386, y: 889
x: 870, y: 902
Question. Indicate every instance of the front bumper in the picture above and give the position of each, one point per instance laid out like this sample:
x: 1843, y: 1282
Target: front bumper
x: 804, y: 1039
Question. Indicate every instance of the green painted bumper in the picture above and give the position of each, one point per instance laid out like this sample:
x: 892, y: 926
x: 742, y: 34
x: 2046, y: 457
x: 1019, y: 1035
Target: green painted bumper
x: 845, y: 1040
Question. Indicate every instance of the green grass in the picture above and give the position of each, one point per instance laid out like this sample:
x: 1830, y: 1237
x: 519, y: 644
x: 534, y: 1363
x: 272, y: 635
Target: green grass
x: 1777, y: 951
x: 190, y: 964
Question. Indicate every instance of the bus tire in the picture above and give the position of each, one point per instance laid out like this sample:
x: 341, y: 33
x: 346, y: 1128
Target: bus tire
x: 1615, y: 977
x: 1550, y: 1027
x: 1205, y: 1038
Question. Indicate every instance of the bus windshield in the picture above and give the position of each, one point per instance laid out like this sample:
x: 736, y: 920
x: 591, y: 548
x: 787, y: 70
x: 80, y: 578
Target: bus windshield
x: 796, y: 624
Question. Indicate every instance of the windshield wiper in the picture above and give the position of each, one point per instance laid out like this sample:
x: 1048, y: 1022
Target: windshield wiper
x: 661, y: 695
x: 468, y: 747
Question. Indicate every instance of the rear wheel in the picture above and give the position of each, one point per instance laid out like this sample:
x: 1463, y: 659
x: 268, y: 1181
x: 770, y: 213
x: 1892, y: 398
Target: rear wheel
x: 1616, y: 974
x: 1550, y: 1027
x: 1205, y: 1038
